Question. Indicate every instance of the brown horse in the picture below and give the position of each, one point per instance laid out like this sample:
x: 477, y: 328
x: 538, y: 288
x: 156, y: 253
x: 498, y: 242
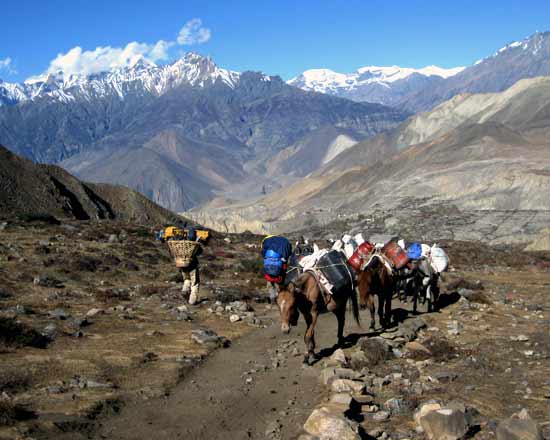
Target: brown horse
x: 307, y: 297
x: 376, y: 279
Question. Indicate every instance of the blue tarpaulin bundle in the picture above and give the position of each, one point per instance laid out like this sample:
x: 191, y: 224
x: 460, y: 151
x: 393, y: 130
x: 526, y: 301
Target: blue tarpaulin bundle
x: 414, y: 251
x: 280, y: 245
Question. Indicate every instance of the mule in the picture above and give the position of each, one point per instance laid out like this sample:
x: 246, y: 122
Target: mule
x: 306, y: 296
x: 376, y: 279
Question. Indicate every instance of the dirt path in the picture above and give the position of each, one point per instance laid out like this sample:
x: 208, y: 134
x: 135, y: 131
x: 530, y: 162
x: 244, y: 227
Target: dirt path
x: 215, y: 400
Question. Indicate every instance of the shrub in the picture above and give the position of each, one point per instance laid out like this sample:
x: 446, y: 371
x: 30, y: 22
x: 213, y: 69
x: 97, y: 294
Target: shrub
x: 16, y: 334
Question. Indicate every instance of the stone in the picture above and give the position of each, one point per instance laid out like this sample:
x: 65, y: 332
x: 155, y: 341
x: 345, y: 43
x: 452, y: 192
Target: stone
x: 359, y: 360
x: 417, y: 347
x: 113, y: 238
x: 339, y: 357
x: 380, y: 416
x: 58, y: 314
x: 343, y: 399
x: 445, y: 376
x: 410, y: 327
x: 227, y: 240
x: 444, y: 424
x: 3, y: 226
x: 47, y: 282
x: 519, y: 427
x: 375, y: 349
x: 207, y: 336
x: 98, y: 385
x: 330, y: 374
x: 234, y: 318
x: 454, y: 328
x: 347, y: 386
x: 395, y: 405
x: 330, y: 426
x: 93, y: 312
x: 50, y: 331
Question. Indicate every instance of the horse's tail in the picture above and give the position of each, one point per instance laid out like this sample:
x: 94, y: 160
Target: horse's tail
x: 355, y: 306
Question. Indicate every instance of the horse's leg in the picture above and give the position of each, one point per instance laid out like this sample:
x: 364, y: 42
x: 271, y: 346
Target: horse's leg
x: 370, y: 304
x: 387, y: 306
x: 341, y: 317
x: 381, y: 303
x: 308, y: 318
x: 309, y: 339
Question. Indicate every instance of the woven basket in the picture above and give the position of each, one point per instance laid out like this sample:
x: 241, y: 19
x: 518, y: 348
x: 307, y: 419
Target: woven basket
x: 183, y: 251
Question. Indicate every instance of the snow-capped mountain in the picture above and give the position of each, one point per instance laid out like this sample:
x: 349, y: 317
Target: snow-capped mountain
x: 142, y: 76
x: 178, y: 133
x: 385, y: 85
x: 527, y: 58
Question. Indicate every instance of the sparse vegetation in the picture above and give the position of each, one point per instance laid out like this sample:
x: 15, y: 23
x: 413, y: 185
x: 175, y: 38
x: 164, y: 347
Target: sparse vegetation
x: 15, y: 334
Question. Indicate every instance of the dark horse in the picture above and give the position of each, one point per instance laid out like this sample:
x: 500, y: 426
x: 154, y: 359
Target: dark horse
x: 307, y: 297
x: 377, y: 279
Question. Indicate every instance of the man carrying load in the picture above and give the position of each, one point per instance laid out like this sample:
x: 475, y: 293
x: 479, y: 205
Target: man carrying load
x: 276, y: 252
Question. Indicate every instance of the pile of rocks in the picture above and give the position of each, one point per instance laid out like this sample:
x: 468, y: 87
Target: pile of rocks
x: 362, y: 404
x: 236, y: 311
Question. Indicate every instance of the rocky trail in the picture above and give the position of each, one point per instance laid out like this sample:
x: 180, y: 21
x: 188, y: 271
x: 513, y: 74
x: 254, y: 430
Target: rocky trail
x: 97, y: 342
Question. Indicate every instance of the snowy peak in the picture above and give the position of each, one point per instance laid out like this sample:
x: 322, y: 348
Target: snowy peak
x: 140, y: 76
x: 359, y: 84
x: 316, y: 79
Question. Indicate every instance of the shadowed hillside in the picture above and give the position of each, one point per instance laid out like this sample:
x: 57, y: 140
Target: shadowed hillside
x: 29, y: 188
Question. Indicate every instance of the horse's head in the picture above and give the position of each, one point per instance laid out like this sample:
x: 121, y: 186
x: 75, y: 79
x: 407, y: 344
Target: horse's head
x: 288, y: 307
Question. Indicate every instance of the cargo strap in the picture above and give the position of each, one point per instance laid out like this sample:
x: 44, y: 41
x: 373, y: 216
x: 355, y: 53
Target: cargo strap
x: 347, y: 270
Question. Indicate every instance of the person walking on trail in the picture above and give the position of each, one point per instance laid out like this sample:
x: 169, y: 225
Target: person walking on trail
x: 276, y: 252
x: 190, y: 274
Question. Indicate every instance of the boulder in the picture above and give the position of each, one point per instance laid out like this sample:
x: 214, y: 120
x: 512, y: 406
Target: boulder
x: 234, y: 318
x: 327, y: 425
x: 359, y: 360
x: 444, y: 424
x: 375, y: 349
x: 417, y: 347
x: 519, y: 427
x: 207, y: 336
x: 347, y: 386
x: 338, y: 358
x: 330, y: 374
x: 410, y: 327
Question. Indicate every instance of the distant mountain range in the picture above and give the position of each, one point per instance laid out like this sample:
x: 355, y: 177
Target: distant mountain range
x: 421, y: 89
x: 476, y: 153
x: 178, y: 133
x: 190, y: 132
x: 384, y: 85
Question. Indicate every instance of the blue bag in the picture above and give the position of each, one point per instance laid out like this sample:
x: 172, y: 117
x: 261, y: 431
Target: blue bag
x: 273, y: 263
x: 414, y: 251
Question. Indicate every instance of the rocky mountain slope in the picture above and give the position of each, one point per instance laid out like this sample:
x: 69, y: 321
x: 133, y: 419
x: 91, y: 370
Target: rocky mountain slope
x: 474, y: 153
x: 423, y: 89
x: 384, y: 85
x: 34, y: 190
x: 177, y: 133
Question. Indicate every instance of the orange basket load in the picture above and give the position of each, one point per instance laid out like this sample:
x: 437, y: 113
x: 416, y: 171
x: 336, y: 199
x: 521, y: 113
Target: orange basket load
x: 183, y: 251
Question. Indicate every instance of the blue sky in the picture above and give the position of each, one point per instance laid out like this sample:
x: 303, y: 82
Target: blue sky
x: 278, y: 37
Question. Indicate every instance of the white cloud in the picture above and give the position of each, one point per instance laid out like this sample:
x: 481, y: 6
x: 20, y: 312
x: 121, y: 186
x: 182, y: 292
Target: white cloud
x: 193, y: 33
x: 104, y: 58
x: 101, y: 59
x: 6, y: 65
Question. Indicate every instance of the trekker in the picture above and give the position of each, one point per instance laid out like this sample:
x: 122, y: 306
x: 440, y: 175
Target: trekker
x: 276, y: 252
x: 190, y: 274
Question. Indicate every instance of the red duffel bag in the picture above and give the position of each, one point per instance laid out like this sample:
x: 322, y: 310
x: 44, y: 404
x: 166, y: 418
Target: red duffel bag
x: 360, y: 254
x: 395, y: 254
